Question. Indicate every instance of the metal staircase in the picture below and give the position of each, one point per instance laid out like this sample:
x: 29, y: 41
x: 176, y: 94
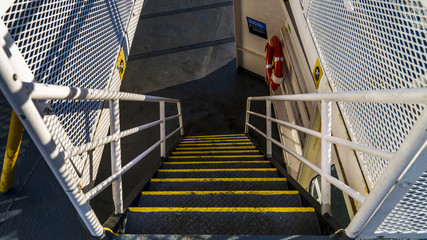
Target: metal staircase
x: 219, y: 185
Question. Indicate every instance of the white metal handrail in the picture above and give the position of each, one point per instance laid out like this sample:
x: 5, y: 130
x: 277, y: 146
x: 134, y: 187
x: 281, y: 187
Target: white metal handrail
x: 20, y: 93
x: 398, y: 96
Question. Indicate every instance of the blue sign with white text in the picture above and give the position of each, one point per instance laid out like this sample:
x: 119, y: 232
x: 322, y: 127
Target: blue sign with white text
x: 256, y: 27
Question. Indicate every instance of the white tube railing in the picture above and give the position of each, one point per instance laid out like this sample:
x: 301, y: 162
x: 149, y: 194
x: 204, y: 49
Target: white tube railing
x: 20, y: 94
x: 399, y: 96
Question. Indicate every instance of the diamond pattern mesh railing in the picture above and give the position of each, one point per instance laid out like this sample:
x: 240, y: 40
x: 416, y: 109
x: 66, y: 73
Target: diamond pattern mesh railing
x: 71, y: 43
x: 410, y: 214
x: 368, y: 45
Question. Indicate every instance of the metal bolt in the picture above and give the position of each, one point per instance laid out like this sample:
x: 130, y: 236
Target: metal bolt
x: 405, y: 184
x: 15, y: 77
x: 47, y: 111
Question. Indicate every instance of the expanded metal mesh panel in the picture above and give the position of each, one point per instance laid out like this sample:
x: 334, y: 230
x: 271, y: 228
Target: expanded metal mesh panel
x: 410, y: 214
x: 367, y: 45
x: 71, y: 43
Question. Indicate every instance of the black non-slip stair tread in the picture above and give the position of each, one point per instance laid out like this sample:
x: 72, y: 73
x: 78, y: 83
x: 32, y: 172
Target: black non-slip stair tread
x: 218, y: 144
x: 216, y: 186
x: 201, y: 199
x: 215, y: 164
x: 219, y: 152
x: 219, y: 185
x: 216, y: 158
x: 221, y: 223
x: 217, y: 174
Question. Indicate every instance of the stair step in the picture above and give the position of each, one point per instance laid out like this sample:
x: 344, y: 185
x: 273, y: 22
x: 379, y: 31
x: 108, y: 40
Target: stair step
x: 217, y: 152
x: 218, y: 173
x: 222, y: 136
x: 229, y: 157
x: 217, y: 184
x: 216, y: 144
x: 220, y: 198
x: 237, y: 140
x: 215, y: 148
x: 215, y: 164
x: 223, y: 221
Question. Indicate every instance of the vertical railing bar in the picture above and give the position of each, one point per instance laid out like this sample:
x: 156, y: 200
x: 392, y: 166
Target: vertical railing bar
x: 268, y: 128
x: 162, y: 130
x: 248, y: 108
x: 326, y: 156
x: 181, y: 124
x: 116, y: 158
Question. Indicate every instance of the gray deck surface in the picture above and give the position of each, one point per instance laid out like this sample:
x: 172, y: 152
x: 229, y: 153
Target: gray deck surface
x: 182, y: 49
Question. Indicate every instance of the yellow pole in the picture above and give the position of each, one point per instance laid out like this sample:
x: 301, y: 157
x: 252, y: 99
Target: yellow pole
x: 12, y: 149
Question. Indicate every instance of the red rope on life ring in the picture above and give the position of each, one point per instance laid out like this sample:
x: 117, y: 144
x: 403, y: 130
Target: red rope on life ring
x: 274, y: 63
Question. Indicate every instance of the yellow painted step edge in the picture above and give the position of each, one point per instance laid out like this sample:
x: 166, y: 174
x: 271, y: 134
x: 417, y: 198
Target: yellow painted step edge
x: 214, y: 148
x: 222, y: 209
x: 213, y: 162
x: 219, y: 192
x: 111, y: 231
x: 220, y: 170
x: 224, y: 135
x: 215, y: 152
x: 213, y: 138
x: 218, y: 156
x: 218, y: 180
x: 213, y: 144
x: 214, y: 141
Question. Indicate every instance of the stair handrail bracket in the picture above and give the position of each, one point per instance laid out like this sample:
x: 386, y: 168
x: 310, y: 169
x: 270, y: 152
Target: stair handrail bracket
x: 23, y: 94
x: 406, y: 165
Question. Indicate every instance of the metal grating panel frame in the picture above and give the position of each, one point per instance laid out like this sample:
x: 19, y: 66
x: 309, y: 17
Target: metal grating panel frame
x: 71, y: 43
x: 367, y: 45
x: 410, y: 214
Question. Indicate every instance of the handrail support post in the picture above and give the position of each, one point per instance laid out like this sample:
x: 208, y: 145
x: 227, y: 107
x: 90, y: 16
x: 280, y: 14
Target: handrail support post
x: 268, y: 128
x: 326, y: 151
x: 116, y: 158
x: 248, y: 108
x: 162, y: 130
x: 181, y: 124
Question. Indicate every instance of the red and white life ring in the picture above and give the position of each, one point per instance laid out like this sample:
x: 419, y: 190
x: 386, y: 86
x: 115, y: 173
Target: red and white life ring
x: 274, y: 63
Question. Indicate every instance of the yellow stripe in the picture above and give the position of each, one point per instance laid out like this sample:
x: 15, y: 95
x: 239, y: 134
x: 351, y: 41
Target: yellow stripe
x: 219, y: 156
x: 213, y: 144
x: 115, y: 234
x: 222, y: 209
x: 214, y: 141
x: 220, y: 170
x: 218, y: 179
x: 225, y: 135
x: 207, y: 152
x: 194, y: 139
x: 218, y: 192
x: 216, y: 162
x: 214, y: 148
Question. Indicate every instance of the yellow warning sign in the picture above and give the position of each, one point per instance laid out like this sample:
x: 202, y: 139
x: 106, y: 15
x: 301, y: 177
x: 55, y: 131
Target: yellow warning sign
x: 121, y: 64
x: 317, y: 73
